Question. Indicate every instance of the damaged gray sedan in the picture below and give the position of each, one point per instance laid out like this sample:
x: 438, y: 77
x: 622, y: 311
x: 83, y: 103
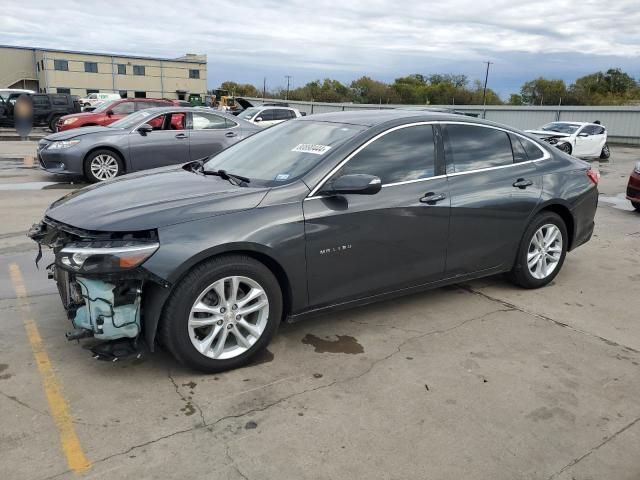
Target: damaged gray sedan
x: 318, y: 213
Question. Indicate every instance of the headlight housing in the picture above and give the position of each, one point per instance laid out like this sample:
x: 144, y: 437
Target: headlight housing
x: 109, y: 258
x: 69, y: 121
x: 637, y: 167
x: 63, y: 144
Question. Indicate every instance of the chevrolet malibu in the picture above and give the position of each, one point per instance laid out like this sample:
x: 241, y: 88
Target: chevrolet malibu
x: 315, y: 214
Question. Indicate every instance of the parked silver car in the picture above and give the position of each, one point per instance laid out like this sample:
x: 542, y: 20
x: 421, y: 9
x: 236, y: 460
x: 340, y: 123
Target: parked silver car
x: 154, y: 137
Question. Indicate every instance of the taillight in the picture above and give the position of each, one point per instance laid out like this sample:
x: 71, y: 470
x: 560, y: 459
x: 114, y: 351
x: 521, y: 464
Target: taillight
x: 593, y: 175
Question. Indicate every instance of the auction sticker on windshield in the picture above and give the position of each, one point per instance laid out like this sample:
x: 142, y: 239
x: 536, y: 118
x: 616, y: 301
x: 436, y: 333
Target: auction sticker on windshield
x: 311, y: 148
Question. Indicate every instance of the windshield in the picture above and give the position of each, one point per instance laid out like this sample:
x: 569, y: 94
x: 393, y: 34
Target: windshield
x: 248, y: 113
x: 132, y: 120
x: 561, y: 127
x: 282, y: 153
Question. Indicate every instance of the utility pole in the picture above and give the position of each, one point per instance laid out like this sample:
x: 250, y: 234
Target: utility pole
x: 264, y: 87
x: 486, y: 78
x: 288, y: 77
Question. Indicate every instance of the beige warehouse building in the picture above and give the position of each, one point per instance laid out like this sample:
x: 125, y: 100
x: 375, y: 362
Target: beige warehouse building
x: 83, y: 73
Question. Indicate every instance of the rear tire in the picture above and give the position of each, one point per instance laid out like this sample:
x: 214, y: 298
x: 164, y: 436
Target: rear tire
x: 208, y: 296
x: 636, y: 205
x: 542, y: 251
x: 102, y: 165
x: 606, y: 153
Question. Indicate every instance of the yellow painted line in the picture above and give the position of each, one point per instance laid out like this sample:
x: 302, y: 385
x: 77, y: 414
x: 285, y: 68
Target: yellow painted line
x: 76, y: 459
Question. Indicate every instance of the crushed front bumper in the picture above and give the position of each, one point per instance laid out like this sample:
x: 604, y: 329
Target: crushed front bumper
x: 107, y: 306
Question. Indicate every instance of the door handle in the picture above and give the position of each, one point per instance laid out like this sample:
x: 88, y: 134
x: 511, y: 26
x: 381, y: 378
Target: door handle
x: 432, y: 198
x: 230, y: 134
x: 181, y: 135
x: 522, y: 183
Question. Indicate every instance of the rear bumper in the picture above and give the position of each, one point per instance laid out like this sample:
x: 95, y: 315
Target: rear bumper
x: 583, y: 214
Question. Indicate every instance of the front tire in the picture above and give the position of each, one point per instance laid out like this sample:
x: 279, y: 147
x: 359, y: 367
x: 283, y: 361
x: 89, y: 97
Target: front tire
x: 636, y: 205
x: 102, y: 165
x: 221, y: 314
x: 606, y: 153
x: 565, y: 147
x: 542, y: 251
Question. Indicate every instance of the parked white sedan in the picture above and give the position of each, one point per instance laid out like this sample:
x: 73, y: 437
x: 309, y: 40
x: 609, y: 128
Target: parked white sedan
x: 580, y: 139
x: 268, y: 116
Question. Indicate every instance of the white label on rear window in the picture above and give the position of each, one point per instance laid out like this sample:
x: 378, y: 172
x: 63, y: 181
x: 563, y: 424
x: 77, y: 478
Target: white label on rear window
x: 311, y: 148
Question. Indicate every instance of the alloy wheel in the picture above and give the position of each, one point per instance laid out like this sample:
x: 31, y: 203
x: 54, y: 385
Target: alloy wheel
x: 228, y: 317
x: 104, y: 167
x: 545, y: 251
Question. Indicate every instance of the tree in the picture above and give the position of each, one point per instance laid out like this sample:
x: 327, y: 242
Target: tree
x: 543, y: 92
x: 515, y: 99
x: 613, y: 87
x: 367, y: 90
x: 240, y: 90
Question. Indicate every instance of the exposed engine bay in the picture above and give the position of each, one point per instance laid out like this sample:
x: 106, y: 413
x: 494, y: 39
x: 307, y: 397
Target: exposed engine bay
x: 100, y: 282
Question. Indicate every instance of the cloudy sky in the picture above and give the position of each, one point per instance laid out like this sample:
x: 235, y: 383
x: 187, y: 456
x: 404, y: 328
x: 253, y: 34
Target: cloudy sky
x: 247, y: 40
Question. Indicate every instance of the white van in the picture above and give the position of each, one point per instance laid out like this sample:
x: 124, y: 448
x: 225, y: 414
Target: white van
x: 94, y: 98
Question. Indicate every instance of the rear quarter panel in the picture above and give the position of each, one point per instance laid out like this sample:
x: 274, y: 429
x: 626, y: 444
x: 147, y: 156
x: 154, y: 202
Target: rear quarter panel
x: 565, y: 182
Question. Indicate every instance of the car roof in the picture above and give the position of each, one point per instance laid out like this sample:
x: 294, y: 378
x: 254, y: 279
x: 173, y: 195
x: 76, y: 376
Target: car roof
x: 578, y: 124
x: 265, y: 107
x: 372, y: 117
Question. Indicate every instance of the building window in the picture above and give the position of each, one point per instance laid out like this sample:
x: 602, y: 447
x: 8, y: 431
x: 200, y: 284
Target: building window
x: 138, y: 69
x: 140, y: 94
x: 92, y: 90
x: 122, y: 69
x: 61, y: 65
x: 194, y: 73
x: 42, y: 65
x: 123, y: 93
x: 63, y: 90
x: 91, y: 67
x: 37, y: 66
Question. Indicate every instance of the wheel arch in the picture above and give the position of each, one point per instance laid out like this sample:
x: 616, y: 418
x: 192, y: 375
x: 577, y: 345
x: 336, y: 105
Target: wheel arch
x: 158, y: 296
x: 562, y: 210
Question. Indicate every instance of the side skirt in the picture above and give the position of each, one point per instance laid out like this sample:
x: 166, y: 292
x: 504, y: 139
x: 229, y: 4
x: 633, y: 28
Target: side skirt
x: 313, y: 312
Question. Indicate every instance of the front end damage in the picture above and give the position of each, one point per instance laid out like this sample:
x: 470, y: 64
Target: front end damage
x: 102, y: 283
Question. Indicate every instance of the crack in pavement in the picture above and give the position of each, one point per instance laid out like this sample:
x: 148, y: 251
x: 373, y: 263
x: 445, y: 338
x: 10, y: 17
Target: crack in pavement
x: 188, y: 401
x: 544, y: 317
x: 267, y: 406
x: 604, y: 442
x: 20, y: 402
x: 233, y: 463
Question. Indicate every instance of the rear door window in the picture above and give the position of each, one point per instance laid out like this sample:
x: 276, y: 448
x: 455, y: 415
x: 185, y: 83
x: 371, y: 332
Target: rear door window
x: 266, y: 115
x: 534, y: 152
x: 474, y: 147
x: 401, y: 155
x: 208, y: 121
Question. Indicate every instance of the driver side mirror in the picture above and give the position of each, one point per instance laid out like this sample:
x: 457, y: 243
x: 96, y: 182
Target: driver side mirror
x: 583, y: 134
x: 109, y: 113
x: 355, y: 183
x: 259, y: 119
x: 144, y: 129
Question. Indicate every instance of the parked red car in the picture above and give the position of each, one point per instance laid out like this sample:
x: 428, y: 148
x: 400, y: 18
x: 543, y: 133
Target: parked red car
x: 109, y: 112
x: 633, y: 187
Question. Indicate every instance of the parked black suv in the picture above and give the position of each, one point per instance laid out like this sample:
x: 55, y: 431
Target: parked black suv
x: 47, y: 108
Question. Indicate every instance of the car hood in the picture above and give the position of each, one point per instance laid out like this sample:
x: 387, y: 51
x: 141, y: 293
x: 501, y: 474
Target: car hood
x: 81, y: 131
x: 547, y: 133
x: 152, y: 199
